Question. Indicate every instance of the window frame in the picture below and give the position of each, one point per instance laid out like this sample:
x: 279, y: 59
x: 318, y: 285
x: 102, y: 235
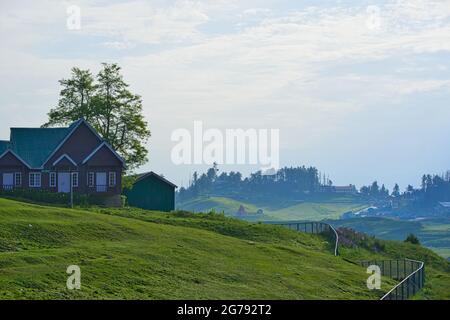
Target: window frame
x: 34, y: 175
x: 112, y: 174
x: 17, y: 175
x: 75, y: 182
x: 52, y: 175
x: 91, y: 182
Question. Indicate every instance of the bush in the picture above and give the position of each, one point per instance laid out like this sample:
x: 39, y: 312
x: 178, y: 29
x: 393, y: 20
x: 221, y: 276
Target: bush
x: 44, y: 196
x: 411, y: 238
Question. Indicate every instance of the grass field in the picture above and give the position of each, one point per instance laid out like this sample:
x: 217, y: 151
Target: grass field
x: 148, y: 255
x: 138, y: 254
x: 331, y: 208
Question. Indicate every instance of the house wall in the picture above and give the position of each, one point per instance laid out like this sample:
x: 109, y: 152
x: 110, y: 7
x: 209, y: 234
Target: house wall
x: 105, y: 161
x: 10, y: 164
x: 102, y: 161
x: 78, y: 146
x: 152, y: 194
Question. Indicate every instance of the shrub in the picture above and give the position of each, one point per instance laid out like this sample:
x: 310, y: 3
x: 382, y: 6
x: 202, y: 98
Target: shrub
x: 411, y: 238
x: 45, y: 196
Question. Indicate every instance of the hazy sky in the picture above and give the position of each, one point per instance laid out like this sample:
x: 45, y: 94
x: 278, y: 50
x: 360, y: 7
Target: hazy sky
x: 359, y: 89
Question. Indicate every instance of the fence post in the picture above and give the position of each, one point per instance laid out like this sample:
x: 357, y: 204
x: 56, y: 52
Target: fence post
x: 423, y: 275
x: 390, y: 268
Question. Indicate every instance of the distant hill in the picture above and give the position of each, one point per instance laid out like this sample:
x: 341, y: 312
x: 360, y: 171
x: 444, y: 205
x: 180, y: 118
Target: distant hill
x: 317, y: 208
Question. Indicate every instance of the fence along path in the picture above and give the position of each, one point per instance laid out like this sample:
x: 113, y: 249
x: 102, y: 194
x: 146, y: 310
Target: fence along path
x: 410, y: 273
x: 313, y: 227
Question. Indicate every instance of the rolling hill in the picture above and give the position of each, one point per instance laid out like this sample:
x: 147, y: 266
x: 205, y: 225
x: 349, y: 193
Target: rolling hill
x: 137, y: 254
x: 281, y: 209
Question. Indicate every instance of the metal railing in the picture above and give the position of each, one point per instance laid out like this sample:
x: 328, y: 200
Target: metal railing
x: 312, y: 227
x: 410, y: 273
x: 8, y: 187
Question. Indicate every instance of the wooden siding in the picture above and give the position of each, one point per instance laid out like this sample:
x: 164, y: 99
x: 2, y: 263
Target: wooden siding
x: 151, y: 193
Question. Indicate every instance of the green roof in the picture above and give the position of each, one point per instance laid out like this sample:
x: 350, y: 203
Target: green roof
x: 34, y: 145
x: 3, y: 146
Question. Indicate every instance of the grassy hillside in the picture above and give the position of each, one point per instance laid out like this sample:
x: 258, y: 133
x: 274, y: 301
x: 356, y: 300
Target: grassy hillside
x: 437, y: 269
x: 136, y: 254
x: 313, y: 209
x: 432, y: 233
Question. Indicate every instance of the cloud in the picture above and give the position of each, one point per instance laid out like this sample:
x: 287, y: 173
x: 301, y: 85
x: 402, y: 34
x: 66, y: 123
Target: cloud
x: 142, y: 22
x: 308, y: 70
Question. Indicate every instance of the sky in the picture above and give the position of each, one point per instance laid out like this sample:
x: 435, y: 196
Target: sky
x: 359, y: 89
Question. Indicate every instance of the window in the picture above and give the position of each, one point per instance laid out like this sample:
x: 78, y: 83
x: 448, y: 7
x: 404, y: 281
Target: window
x: 52, y: 181
x: 90, y: 179
x: 18, y: 178
x: 35, y: 180
x: 112, y: 179
x: 74, y: 179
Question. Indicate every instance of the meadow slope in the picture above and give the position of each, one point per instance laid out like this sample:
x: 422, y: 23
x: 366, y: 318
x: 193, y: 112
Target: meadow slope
x: 137, y: 254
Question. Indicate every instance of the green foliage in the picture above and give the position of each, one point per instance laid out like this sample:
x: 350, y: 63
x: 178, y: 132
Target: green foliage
x: 411, y: 238
x: 108, y: 105
x: 57, y: 198
x: 288, y: 182
x: 128, y: 181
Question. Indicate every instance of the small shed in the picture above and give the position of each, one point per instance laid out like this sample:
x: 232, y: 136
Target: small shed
x: 152, y: 192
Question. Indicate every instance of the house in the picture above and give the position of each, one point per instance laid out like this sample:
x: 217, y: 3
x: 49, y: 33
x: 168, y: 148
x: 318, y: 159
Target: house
x: 241, y: 211
x: 152, y: 192
x: 53, y: 159
x: 443, y: 207
x: 350, y: 189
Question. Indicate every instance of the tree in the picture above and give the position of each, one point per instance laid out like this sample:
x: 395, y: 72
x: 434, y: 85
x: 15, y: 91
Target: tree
x: 411, y: 238
x: 374, y: 189
x: 383, y: 191
x: 109, y: 106
x: 396, y: 191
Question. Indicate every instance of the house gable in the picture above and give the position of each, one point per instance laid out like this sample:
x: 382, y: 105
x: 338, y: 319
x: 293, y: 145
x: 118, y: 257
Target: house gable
x: 77, y: 145
x: 103, y: 155
x: 11, y: 159
x: 64, y: 160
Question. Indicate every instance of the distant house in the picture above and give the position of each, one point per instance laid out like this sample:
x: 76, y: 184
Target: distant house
x: 443, y: 207
x: 241, y: 211
x: 350, y: 189
x: 52, y: 159
x: 152, y: 192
